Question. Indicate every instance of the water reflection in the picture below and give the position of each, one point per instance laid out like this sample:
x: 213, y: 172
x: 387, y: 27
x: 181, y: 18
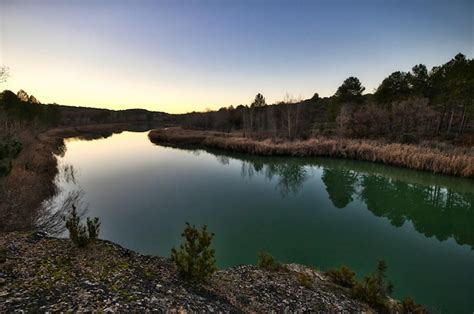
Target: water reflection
x: 340, y: 185
x: 51, y: 216
x: 433, y: 210
x: 437, y: 206
x: 289, y: 176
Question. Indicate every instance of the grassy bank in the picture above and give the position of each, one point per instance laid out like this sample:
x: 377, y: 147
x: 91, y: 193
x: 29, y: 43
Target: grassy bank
x: 31, y: 179
x: 436, y: 158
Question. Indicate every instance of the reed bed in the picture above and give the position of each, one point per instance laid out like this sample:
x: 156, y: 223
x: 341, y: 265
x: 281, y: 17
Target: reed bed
x: 448, y: 160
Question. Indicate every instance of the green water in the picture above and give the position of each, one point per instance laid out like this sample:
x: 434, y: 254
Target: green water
x: 313, y: 211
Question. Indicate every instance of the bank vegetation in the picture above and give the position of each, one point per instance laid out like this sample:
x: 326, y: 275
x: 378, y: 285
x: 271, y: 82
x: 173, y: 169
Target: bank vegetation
x: 427, y: 156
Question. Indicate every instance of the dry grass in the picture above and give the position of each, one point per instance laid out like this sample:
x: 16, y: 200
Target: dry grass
x: 29, y: 182
x: 445, y: 159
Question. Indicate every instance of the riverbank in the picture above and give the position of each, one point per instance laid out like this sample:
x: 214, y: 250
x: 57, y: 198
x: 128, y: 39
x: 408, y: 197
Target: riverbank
x: 40, y: 273
x: 31, y: 179
x: 442, y: 158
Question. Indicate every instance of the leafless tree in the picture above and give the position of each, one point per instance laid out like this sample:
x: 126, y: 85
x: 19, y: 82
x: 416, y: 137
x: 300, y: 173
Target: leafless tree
x: 4, y: 73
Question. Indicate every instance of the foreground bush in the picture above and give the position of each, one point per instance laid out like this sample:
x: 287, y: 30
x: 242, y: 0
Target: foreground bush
x: 342, y: 276
x: 410, y: 306
x: 10, y: 147
x: 81, y: 235
x: 305, y: 280
x: 267, y: 261
x: 374, y: 289
x: 195, y: 258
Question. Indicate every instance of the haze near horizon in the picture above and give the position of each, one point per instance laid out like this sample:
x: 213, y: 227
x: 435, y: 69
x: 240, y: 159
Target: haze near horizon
x: 181, y: 56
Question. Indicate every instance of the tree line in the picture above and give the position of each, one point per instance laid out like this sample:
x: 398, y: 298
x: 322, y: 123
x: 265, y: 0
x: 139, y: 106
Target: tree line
x: 406, y: 107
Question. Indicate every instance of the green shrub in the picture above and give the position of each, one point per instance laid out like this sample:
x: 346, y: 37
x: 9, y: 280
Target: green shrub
x: 342, y: 276
x: 267, y: 261
x: 374, y: 290
x: 410, y: 306
x: 195, y: 258
x: 9, y: 150
x: 305, y: 280
x: 81, y: 235
x: 93, y: 228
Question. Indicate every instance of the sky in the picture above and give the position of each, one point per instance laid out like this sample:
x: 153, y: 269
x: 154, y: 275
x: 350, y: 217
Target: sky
x: 180, y: 56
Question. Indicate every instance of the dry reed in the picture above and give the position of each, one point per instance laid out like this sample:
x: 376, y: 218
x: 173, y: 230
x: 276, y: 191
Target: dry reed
x: 447, y: 160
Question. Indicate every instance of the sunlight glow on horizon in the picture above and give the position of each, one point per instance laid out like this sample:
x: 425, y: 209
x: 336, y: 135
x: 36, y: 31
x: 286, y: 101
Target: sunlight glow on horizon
x: 187, y: 56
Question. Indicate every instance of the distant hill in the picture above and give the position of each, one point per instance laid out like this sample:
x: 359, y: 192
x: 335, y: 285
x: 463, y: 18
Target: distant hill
x: 26, y: 108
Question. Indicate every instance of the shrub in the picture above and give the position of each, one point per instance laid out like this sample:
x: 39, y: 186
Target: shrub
x: 195, y: 258
x: 410, y: 306
x: 81, y: 235
x: 268, y: 262
x: 305, y: 280
x: 93, y: 228
x: 342, y: 276
x: 9, y: 150
x: 373, y: 289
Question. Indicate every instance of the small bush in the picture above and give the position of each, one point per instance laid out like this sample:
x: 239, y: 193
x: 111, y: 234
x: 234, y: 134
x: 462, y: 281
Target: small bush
x: 268, y: 262
x: 342, y: 276
x: 410, y: 306
x: 93, y: 228
x: 373, y: 289
x: 9, y: 150
x: 81, y: 235
x: 305, y: 280
x: 195, y: 258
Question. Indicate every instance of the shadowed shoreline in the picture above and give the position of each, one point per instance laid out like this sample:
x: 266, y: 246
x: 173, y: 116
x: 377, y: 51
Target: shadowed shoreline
x: 31, y: 179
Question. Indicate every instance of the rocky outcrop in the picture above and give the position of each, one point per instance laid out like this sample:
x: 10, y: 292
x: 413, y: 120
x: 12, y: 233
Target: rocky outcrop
x: 43, y: 274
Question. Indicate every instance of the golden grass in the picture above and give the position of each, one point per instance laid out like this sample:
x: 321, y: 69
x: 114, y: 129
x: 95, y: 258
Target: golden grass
x: 444, y: 160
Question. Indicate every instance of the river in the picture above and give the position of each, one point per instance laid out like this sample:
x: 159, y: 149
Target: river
x: 314, y: 211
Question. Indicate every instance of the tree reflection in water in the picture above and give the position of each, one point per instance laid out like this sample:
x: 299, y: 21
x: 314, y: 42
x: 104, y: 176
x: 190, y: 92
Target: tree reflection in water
x: 340, y: 185
x: 436, y: 205
x: 290, y: 177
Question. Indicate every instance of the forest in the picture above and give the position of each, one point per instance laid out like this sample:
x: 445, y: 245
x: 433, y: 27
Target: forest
x: 407, y: 107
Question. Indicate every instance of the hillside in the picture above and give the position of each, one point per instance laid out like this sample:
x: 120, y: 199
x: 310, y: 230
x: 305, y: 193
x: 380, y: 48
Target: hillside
x: 47, y: 274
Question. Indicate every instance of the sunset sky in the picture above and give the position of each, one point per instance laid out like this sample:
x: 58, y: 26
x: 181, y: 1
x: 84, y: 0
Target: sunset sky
x: 179, y: 56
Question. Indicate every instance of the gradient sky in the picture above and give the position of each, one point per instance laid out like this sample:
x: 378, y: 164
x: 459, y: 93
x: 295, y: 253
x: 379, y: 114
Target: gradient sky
x: 180, y: 56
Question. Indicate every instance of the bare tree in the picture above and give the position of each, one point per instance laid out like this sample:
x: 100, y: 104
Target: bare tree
x: 291, y: 116
x: 4, y: 73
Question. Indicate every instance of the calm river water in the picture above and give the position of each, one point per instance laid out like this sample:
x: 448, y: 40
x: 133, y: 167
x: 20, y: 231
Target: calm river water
x: 313, y: 211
